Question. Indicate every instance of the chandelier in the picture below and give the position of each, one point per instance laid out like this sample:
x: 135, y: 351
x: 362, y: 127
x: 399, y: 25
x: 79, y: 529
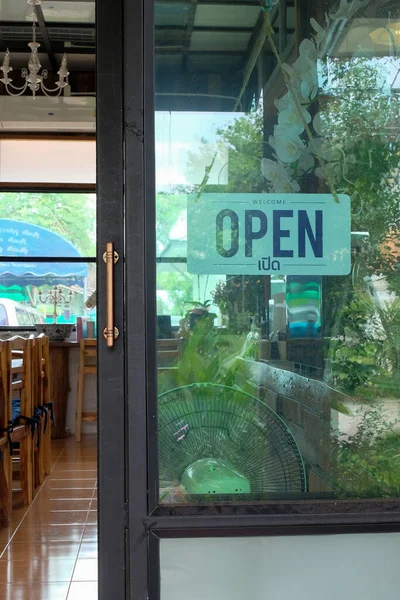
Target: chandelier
x: 34, y: 80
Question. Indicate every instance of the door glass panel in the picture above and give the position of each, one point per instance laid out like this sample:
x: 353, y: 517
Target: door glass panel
x: 278, y: 248
x: 258, y: 567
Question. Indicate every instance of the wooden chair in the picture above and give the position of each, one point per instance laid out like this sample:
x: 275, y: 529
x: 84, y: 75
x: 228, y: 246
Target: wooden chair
x: 42, y: 408
x: 87, y: 366
x: 5, y: 436
x: 23, y: 419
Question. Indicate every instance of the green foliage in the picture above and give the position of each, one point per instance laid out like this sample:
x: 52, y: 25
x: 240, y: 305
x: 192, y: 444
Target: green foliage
x: 72, y: 216
x: 354, y: 365
x: 203, y: 355
x: 169, y: 208
x: 366, y: 358
x: 368, y: 462
x: 244, y: 140
x: 179, y: 288
x: 362, y: 146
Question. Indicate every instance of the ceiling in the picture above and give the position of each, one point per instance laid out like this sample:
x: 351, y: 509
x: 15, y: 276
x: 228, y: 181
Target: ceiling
x: 204, y: 49
x: 194, y: 40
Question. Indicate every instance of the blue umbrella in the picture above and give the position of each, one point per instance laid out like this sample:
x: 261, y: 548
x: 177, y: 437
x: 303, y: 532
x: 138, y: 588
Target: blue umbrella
x: 25, y: 240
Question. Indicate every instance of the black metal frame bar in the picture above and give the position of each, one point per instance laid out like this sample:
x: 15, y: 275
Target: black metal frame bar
x: 139, y: 213
x: 111, y: 367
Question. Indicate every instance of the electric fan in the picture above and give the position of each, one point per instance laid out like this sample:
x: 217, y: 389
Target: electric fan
x: 215, y: 439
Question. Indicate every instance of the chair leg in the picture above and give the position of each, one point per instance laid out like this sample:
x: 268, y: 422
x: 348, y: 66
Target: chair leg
x: 5, y: 489
x: 46, y: 441
x: 39, y: 458
x: 79, y: 405
x: 26, y: 468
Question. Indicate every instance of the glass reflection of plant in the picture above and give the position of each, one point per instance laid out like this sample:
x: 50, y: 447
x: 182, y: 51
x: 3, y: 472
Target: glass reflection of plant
x: 55, y: 297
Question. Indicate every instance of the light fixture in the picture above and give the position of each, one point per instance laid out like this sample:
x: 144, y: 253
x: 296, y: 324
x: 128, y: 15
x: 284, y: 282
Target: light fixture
x: 34, y: 79
x: 387, y: 36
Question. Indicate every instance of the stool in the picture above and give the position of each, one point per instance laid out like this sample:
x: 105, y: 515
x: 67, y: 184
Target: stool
x: 87, y: 366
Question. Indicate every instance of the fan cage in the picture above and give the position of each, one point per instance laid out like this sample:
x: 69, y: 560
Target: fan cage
x: 206, y: 420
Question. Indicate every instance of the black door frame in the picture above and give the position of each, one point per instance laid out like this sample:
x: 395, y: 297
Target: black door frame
x: 130, y: 522
x: 112, y: 496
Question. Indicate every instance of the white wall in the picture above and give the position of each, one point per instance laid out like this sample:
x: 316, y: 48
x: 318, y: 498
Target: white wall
x: 47, y: 161
x: 334, y: 567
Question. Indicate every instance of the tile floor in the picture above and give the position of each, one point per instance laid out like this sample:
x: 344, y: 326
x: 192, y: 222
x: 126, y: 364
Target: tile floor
x: 50, y: 550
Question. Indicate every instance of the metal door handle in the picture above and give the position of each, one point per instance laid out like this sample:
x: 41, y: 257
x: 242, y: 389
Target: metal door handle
x: 110, y: 257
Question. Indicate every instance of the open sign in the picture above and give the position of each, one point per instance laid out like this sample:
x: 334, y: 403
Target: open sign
x: 250, y: 234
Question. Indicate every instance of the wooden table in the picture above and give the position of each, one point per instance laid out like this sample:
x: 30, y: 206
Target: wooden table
x: 59, y: 384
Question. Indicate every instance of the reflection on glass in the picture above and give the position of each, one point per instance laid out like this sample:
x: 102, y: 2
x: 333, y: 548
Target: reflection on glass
x: 28, y: 297
x: 46, y: 225
x: 289, y: 175
x: 71, y: 216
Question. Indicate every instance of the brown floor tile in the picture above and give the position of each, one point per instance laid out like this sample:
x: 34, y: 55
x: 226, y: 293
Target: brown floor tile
x: 92, y: 518
x: 73, y: 504
x: 49, y: 552
x: 56, y: 517
x: 62, y: 494
x: 34, y: 570
x: 49, y: 534
x: 90, y: 533
x: 50, y: 591
x: 17, y: 551
x: 65, y: 484
x: 77, y: 474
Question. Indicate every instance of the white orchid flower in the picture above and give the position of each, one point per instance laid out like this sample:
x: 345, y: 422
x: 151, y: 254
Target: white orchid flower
x: 309, y: 86
x: 320, y: 125
x: 306, y: 70
x: 272, y: 170
x: 288, y: 145
x: 306, y: 160
x: 285, y: 186
x: 348, y: 9
x: 291, y: 118
x: 320, y: 33
x: 320, y: 173
x: 278, y: 175
x: 285, y: 102
x: 307, y: 47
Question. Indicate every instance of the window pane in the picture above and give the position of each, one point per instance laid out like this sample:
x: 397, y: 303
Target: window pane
x: 258, y: 567
x: 71, y: 217
x: 278, y: 247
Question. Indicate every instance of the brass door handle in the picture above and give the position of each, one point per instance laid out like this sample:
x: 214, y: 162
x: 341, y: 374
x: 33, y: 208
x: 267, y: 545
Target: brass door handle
x: 110, y: 257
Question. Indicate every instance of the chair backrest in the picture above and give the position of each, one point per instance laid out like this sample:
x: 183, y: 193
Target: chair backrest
x: 41, y: 371
x: 5, y: 385
x: 21, y: 370
x: 88, y: 356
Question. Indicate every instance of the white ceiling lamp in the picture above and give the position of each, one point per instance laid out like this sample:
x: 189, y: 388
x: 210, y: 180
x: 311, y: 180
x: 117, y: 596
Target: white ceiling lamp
x: 34, y: 79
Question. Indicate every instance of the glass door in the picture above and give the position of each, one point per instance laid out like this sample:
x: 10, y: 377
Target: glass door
x: 248, y: 180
